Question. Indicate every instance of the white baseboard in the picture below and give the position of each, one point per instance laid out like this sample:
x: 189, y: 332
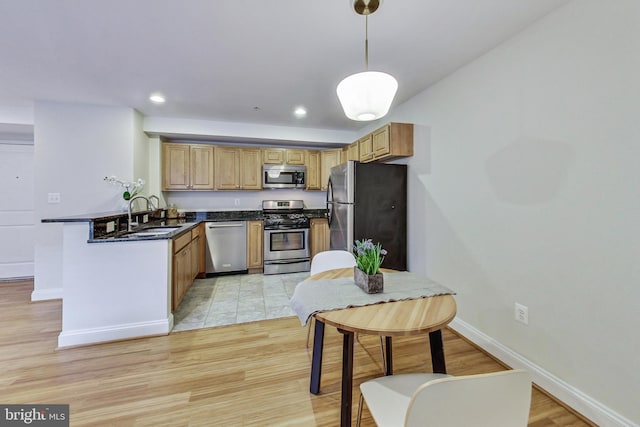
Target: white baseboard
x: 117, y: 332
x: 571, y: 396
x: 46, y: 294
x: 16, y: 270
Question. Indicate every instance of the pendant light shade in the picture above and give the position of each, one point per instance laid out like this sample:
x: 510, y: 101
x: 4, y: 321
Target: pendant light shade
x: 367, y: 95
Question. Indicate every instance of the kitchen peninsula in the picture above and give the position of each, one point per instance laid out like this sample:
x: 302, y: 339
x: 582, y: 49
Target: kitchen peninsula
x: 117, y: 284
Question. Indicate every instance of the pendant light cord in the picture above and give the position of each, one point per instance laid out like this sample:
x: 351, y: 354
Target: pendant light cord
x: 366, y: 42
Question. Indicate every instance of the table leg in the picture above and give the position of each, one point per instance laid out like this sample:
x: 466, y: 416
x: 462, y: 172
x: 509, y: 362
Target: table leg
x: 388, y: 367
x: 316, y: 358
x: 347, y: 378
x: 437, y: 352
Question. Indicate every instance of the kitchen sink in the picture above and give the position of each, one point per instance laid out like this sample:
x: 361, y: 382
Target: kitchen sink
x: 152, y: 231
x: 155, y: 231
x: 158, y: 230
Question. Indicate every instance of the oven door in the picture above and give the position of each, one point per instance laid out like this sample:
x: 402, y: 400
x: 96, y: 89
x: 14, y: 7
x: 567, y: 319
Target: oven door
x: 286, y: 244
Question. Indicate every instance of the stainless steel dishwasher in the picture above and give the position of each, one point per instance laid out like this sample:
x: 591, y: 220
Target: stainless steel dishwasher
x: 226, y: 246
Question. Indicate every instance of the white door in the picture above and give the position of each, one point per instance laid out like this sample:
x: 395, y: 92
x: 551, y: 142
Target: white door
x: 16, y: 210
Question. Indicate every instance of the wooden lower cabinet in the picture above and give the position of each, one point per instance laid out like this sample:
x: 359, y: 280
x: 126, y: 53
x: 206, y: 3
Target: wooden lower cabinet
x: 188, y: 263
x: 319, y: 236
x: 255, y: 236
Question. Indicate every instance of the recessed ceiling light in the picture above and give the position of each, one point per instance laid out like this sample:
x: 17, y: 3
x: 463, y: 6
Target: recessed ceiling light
x: 300, y: 112
x: 157, y: 98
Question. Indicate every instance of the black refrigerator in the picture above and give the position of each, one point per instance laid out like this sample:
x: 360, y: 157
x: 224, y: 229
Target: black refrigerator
x: 369, y: 201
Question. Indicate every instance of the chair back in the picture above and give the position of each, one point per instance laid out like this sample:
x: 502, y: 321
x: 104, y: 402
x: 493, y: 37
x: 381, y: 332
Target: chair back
x: 499, y: 399
x: 328, y: 260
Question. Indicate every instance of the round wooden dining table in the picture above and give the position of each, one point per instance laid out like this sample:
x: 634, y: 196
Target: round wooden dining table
x: 389, y: 319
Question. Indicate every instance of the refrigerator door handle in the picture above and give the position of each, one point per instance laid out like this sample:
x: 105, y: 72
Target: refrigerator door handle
x: 329, y: 202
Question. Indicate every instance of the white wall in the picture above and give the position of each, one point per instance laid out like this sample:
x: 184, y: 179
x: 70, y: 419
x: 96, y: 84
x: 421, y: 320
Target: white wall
x: 525, y: 188
x: 16, y: 209
x: 241, y: 200
x: 76, y: 146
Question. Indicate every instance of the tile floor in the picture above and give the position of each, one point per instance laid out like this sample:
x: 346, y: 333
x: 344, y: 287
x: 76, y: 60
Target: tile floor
x: 226, y: 300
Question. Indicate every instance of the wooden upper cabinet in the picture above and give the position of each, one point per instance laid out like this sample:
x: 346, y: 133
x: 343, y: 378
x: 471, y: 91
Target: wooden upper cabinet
x: 201, y: 175
x: 250, y: 169
x: 273, y: 156
x: 312, y: 161
x: 187, y: 167
x: 227, y: 168
x: 282, y: 156
x: 328, y: 159
x: 365, y: 148
x: 295, y: 157
x: 238, y: 168
x: 353, y: 151
x: 392, y: 141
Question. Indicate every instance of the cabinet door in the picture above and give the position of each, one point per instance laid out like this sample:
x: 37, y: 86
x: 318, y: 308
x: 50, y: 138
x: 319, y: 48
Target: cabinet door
x: 312, y: 161
x: 328, y: 159
x: 295, y: 157
x: 365, y: 147
x: 195, y: 259
x: 255, y: 235
x: 227, y: 168
x: 353, y: 151
x: 181, y: 274
x: 201, y: 177
x: 273, y: 156
x: 202, y: 251
x: 175, y: 166
x: 381, y: 144
x: 250, y: 169
x: 319, y: 235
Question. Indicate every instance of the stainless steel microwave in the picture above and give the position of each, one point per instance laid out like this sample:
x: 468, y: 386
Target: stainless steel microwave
x: 283, y: 176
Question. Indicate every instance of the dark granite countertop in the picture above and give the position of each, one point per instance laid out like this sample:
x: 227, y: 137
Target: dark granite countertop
x: 186, y: 221
x: 88, y: 217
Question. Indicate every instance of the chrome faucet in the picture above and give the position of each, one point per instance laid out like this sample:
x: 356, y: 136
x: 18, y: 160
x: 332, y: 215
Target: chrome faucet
x: 157, y: 205
x: 131, y: 224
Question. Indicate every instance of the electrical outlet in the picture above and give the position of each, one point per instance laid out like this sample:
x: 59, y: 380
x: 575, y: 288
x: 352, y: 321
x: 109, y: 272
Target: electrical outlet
x: 522, y: 313
x: 53, y: 198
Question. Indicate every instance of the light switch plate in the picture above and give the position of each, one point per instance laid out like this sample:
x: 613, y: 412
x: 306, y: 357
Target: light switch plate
x: 145, y: 219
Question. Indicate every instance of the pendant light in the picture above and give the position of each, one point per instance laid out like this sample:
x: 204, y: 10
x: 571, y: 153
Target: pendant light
x: 367, y: 95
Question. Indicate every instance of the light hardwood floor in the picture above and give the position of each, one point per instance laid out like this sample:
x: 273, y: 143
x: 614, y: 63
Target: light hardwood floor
x: 253, y: 374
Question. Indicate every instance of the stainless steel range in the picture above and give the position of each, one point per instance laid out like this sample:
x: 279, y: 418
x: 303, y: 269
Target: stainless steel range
x: 286, y: 237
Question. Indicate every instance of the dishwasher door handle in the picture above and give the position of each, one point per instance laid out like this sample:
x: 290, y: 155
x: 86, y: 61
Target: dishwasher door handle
x: 239, y: 224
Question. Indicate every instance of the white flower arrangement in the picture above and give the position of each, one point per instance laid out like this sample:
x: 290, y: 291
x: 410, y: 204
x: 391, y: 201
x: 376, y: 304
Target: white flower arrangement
x: 131, y: 188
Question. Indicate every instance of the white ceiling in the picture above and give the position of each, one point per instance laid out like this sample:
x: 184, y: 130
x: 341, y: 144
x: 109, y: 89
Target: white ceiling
x: 218, y: 59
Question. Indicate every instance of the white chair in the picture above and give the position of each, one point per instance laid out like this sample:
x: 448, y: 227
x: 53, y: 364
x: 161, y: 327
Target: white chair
x: 328, y: 260
x: 499, y: 399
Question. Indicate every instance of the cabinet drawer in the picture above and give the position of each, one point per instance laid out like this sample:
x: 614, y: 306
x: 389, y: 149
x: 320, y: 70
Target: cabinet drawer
x: 196, y: 231
x: 181, y: 241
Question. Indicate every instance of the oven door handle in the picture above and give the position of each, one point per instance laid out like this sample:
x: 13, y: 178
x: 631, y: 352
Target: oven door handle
x: 289, y: 261
x: 288, y: 227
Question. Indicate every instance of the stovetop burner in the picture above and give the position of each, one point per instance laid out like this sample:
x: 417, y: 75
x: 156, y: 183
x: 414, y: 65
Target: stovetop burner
x: 284, y: 214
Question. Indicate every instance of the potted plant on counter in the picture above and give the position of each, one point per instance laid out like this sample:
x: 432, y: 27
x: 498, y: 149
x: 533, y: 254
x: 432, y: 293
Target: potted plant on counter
x: 367, y: 273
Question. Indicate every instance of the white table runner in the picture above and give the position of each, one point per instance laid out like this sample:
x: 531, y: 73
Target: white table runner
x: 312, y: 296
